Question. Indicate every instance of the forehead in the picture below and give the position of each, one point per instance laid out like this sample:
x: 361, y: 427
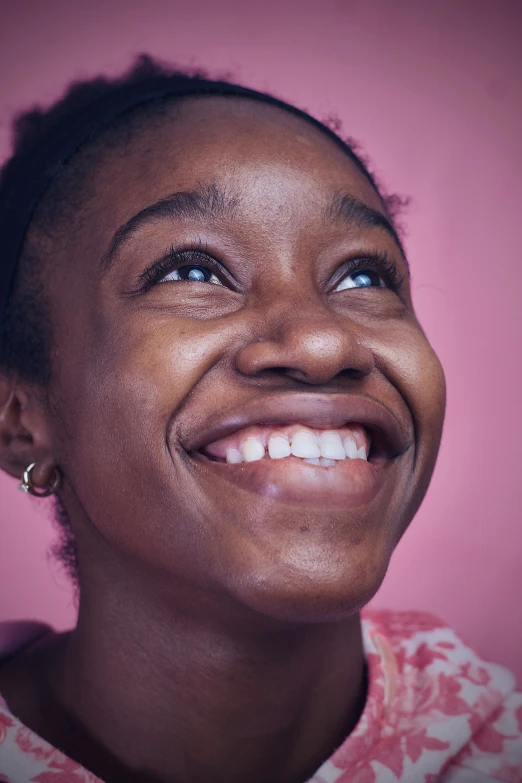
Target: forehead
x: 261, y: 155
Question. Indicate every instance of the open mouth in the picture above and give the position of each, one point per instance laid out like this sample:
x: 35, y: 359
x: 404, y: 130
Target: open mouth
x: 301, y: 465
x: 291, y: 442
x: 325, y: 451
x: 298, y: 465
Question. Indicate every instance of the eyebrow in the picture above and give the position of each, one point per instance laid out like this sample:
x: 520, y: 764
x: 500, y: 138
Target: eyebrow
x: 210, y: 201
x: 356, y: 213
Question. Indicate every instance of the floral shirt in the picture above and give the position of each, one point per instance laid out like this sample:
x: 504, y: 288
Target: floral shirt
x: 434, y: 712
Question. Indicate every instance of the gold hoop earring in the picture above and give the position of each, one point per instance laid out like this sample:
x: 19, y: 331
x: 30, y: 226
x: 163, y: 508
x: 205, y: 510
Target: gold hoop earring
x: 43, y: 492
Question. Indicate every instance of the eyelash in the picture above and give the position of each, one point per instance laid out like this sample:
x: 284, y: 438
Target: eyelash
x: 176, y: 258
x: 380, y: 263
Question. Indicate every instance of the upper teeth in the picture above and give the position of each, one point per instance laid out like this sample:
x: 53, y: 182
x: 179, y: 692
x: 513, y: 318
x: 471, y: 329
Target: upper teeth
x: 305, y: 445
x: 319, y: 450
x: 252, y: 450
x: 332, y: 446
x: 278, y: 447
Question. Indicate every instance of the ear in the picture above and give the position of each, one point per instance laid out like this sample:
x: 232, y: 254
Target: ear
x: 25, y: 431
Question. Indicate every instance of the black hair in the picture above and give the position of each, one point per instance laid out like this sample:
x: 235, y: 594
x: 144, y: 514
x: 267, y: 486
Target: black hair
x: 39, y: 180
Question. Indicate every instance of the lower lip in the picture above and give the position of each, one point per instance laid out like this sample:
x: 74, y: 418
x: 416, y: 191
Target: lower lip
x: 348, y: 484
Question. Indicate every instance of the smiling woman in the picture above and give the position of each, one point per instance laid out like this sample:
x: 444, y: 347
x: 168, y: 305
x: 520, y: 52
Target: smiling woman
x: 210, y: 356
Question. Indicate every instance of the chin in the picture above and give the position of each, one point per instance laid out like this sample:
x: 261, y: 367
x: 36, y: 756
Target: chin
x: 319, y: 588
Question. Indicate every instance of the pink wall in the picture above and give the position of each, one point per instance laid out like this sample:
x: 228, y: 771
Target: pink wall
x: 432, y: 90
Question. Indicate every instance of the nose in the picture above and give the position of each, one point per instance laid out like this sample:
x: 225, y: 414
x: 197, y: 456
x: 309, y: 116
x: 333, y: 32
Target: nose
x: 313, y: 347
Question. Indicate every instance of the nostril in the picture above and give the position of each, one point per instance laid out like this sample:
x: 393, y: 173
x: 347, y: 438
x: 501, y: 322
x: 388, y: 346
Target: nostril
x: 307, y: 353
x: 276, y: 373
x: 278, y: 370
x: 352, y: 373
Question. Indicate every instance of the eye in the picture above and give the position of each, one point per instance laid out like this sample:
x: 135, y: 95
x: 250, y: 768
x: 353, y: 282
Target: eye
x: 193, y: 273
x: 361, y: 278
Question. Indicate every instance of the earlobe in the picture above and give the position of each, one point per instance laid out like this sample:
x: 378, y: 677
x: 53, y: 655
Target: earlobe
x: 24, y: 433
x: 28, y: 483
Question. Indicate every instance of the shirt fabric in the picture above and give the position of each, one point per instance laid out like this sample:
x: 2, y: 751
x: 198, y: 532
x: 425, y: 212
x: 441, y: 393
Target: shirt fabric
x: 434, y: 712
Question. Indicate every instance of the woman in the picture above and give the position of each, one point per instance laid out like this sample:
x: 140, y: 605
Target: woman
x: 210, y: 356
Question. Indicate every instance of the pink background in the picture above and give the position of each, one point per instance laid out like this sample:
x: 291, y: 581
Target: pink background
x: 433, y: 92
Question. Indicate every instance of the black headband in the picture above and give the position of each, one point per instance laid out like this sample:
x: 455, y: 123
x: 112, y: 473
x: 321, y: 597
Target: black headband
x: 29, y: 175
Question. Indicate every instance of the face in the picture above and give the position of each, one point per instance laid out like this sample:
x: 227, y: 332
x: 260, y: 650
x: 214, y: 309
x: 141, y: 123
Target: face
x: 232, y: 294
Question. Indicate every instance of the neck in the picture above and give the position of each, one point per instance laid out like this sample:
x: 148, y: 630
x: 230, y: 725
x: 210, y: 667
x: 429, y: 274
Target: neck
x: 189, y: 684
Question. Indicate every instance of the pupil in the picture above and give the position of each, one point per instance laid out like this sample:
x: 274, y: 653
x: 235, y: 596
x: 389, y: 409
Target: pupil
x: 197, y: 273
x: 362, y: 280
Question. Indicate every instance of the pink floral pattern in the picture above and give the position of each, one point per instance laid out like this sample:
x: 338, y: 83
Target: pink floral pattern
x: 434, y: 712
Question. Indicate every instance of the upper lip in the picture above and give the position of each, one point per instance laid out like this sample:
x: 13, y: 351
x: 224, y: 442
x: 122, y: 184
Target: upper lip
x: 389, y: 437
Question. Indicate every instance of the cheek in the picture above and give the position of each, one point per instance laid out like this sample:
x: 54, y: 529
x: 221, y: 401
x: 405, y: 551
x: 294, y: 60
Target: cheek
x: 119, y: 404
x: 412, y: 366
x: 147, y: 367
x: 410, y: 363
x: 424, y: 387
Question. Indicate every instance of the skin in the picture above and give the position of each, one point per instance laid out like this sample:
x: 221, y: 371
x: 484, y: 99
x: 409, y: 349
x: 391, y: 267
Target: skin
x: 234, y: 615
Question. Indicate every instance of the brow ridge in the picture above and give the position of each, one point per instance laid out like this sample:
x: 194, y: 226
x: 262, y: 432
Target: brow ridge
x: 354, y: 212
x: 210, y: 201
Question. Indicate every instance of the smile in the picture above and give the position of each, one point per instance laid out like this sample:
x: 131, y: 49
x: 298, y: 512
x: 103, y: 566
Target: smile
x: 326, y: 451
x: 319, y: 448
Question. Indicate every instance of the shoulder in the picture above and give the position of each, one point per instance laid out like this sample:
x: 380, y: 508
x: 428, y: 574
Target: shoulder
x: 495, y: 749
x: 439, y: 698
x: 15, y: 635
x: 24, y: 754
x: 425, y: 647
